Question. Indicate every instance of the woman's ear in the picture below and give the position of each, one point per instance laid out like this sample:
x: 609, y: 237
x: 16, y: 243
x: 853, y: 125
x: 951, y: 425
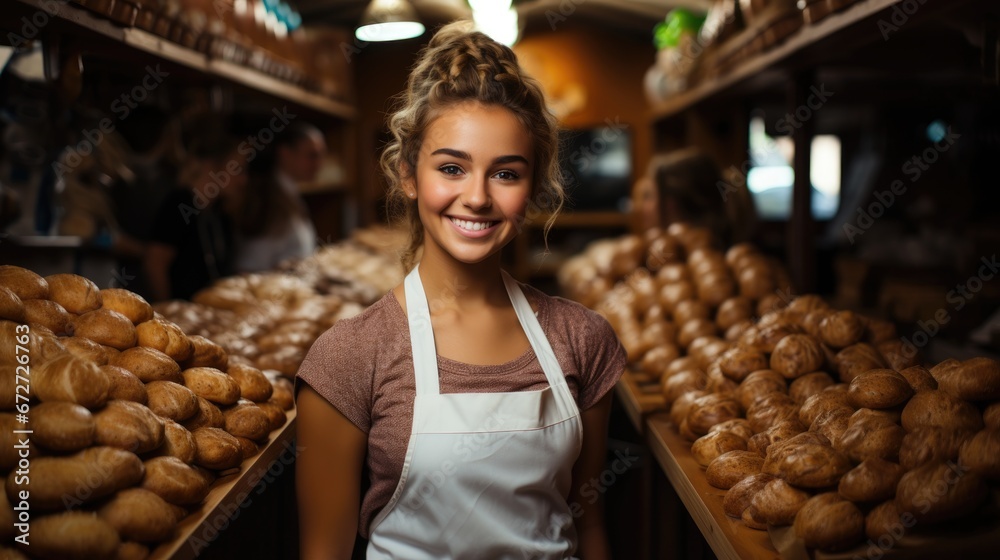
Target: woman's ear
x: 408, y: 181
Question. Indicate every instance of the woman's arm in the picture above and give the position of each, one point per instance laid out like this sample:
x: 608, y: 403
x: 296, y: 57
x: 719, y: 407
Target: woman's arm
x: 590, y: 523
x: 157, y: 263
x: 327, y: 478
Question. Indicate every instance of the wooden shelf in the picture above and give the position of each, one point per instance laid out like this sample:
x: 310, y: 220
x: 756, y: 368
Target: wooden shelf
x: 639, y: 398
x: 729, y: 538
x: 571, y: 219
x: 201, y: 527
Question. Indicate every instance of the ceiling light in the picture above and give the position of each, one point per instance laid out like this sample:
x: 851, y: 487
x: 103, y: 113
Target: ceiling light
x: 389, y: 20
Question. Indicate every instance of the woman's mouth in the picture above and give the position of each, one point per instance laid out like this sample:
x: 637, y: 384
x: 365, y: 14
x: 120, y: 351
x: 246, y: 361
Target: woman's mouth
x: 473, y: 228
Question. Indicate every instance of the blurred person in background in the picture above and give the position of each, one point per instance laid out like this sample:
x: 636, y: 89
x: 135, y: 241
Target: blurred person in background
x: 192, y: 241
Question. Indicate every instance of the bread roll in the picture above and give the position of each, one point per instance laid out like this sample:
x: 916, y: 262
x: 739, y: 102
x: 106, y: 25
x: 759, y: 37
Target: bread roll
x: 873, y: 480
x: 760, y: 442
x: 208, y: 415
x: 653, y: 362
x: 61, y: 482
x: 166, y: 337
x: 732, y: 311
x: 822, y: 402
x: 130, y: 304
x: 216, y: 449
x: 170, y: 400
x: 778, y: 502
x: 693, y: 329
x: 48, y: 314
x: 149, y: 364
x: 76, y: 294
x: 11, y: 306
x: 276, y: 416
x: 132, y: 551
x: 284, y: 393
x: 62, y: 426
x: 253, y: 383
x: 247, y: 420
x: 125, y: 386
x: 673, y: 387
x: 771, y: 410
x: 871, y: 439
x: 212, y: 384
x: 832, y: 423
x: 797, y: 355
x: 87, y: 349
x: 879, y: 388
x: 128, y: 425
x: 938, y: 408
x: 808, y: 302
x: 884, y: 521
x: 106, y: 327
x: 174, y: 481
x: 738, y: 497
x: 931, y: 444
x: 945, y: 367
x: 828, y: 522
x: 248, y: 447
x: 139, y: 515
x: 710, y: 410
x: 758, y: 385
x: 991, y: 416
x: 869, y: 414
x: 919, y: 379
x: 808, y: 385
x: 177, y: 442
x: 981, y: 454
x: 206, y: 354
x: 689, y: 310
x: 24, y: 283
x: 857, y: 359
x: 72, y: 535
x: 731, y: 467
x: 977, y: 379
x: 807, y: 465
x: 706, y: 448
x: 936, y: 492
x: 738, y: 363
x: 841, y: 329
x: 67, y: 378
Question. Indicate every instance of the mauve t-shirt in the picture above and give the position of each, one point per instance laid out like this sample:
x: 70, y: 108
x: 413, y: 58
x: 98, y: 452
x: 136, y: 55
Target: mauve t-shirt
x: 364, y: 367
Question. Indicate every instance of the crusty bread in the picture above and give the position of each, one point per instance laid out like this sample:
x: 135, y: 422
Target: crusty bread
x: 62, y: 426
x: 171, y: 400
x: 939, y: 408
x: 879, y: 388
x: 67, y: 378
x: 11, y: 306
x: 981, y: 454
x: 56, y: 481
x: 125, y: 386
x: 174, y: 481
x: 72, y: 535
x: 778, y: 502
x: 758, y: 384
x: 731, y: 467
x: 738, y: 497
x: 130, y: 304
x: 246, y: 419
x: 149, y: 364
x: 212, y: 384
x: 139, y: 515
x: 796, y: 355
x: 706, y: 448
x: 23, y: 282
x: 128, y: 425
x: 253, y: 383
x: 873, y: 480
x: 936, y: 492
x: 75, y: 293
x: 929, y: 444
x: 828, y: 522
x: 216, y: 449
x: 48, y: 314
x: 808, y: 385
x: 166, y: 337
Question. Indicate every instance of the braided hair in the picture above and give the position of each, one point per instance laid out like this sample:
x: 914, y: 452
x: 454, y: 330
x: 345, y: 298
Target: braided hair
x: 457, y: 66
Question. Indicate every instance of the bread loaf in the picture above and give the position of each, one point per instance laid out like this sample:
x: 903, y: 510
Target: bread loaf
x: 931, y: 444
x: 778, y: 502
x: 206, y: 353
x: 24, y: 283
x: 106, y: 327
x: 760, y: 442
x: 857, y: 359
x: 771, y: 410
x: 936, y: 492
x: 869, y: 414
x: 212, y: 384
x: 11, y: 306
x: 125, y: 386
x: 738, y: 363
x: 174, y: 481
x: 976, y: 379
x: 655, y: 361
x: 807, y: 302
x: 61, y: 482
x: 828, y: 522
x: 673, y: 387
x: 253, y: 383
x: 706, y: 448
x: 807, y: 465
x: 938, y: 408
x: 841, y: 329
x: 797, y: 355
x: 981, y: 454
x: 832, y: 423
x: 248, y: 447
x: 879, y: 388
x: 48, y: 314
x: 758, y: 384
x: 67, y: 378
x: 216, y: 449
x: 139, y: 515
x: 72, y: 535
x: 62, y: 426
x: 822, y: 402
x: 149, y: 364
x: 166, y: 337
x: 731, y: 467
x: 738, y: 497
x: 919, y: 378
x: 284, y: 392
x: 871, y: 439
x: 884, y: 521
x: 76, y: 294
x: 208, y: 415
x: 177, y: 442
x: 132, y: 551
x: 87, y: 349
x: 128, y: 425
x: 991, y: 416
x: 130, y: 304
x: 276, y: 416
x: 873, y: 480
x: 808, y: 385
x: 171, y: 400
x: 710, y: 410
x: 247, y: 420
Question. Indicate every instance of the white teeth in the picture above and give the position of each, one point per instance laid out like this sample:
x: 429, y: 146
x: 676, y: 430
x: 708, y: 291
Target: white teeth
x: 471, y: 226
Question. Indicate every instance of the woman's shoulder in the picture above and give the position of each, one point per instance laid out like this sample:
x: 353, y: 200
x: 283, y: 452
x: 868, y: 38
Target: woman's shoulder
x: 562, y: 313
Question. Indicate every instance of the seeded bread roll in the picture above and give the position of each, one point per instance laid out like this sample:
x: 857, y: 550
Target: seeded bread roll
x: 69, y: 379
x: 171, y: 400
x: 822, y: 402
x: 760, y: 442
x: 807, y: 465
x: 216, y: 449
x: 981, y: 454
x: 128, y: 425
x: 48, y: 314
x: 174, y: 481
x: 62, y: 426
x: 11, y: 306
x: 879, y: 388
x: 808, y: 385
x: 778, y: 502
x: 828, y: 522
x: 797, y: 355
x: 125, y: 386
x: 938, y: 408
x: 919, y: 378
x: 706, y: 448
x: 139, y: 515
x: 75, y: 293
x: 759, y: 384
x: 871, y: 439
x: 130, y: 304
x: 738, y: 363
x: 841, y: 329
x: 731, y: 467
x: 738, y: 497
x: 245, y: 419
x: 977, y: 379
x: 71, y: 535
x: 61, y: 482
x: 177, y: 442
x: 166, y: 337
x: 23, y: 282
x: 149, y: 364
x: 936, y: 492
x: 208, y: 415
x: 276, y: 416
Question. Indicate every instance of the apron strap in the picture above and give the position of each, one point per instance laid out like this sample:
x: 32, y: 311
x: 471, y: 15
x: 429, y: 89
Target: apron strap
x: 421, y: 335
x: 536, y: 336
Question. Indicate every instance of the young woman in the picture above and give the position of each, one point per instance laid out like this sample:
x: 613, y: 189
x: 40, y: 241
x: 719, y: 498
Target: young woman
x: 479, y: 405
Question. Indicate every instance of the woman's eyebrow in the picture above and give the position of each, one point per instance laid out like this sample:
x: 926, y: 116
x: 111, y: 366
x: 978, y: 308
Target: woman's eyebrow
x: 465, y: 156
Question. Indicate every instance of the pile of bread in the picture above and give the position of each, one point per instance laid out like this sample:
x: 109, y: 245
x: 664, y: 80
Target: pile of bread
x: 132, y: 418
x: 808, y: 415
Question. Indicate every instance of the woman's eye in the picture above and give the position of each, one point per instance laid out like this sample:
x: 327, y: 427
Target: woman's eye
x: 450, y: 169
x: 507, y: 175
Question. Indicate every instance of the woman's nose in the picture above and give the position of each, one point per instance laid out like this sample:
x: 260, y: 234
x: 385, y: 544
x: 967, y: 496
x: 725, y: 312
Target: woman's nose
x: 477, y: 193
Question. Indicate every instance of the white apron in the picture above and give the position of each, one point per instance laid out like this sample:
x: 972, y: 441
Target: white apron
x: 486, y: 475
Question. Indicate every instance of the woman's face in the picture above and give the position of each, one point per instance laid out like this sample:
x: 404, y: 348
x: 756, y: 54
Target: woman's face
x: 473, y: 180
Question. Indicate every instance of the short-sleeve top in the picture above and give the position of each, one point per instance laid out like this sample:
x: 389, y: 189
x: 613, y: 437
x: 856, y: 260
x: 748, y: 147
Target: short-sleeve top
x: 363, y: 366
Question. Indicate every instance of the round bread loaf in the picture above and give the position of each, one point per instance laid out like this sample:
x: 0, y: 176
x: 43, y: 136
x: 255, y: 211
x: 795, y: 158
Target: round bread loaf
x: 125, y: 386
x: 706, y: 448
x: 938, y: 408
x: 149, y: 364
x: 841, y: 329
x: 276, y: 416
x: 808, y: 302
x: 106, y: 327
x: 731, y: 467
x: 991, y: 416
x: 139, y: 515
x: 86, y: 349
x: 284, y: 393
x: 76, y: 294
x: 931, y: 444
x: 684, y: 363
x: 797, y: 355
x: 174, y: 481
x: 884, y: 522
x: 758, y: 385
x: 130, y: 304
x: 738, y: 497
x: 48, y: 314
x: 879, y: 388
x: 718, y: 383
x: 245, y: 419
x: 208, y: 415
x: 128, y: 425
x: 710, y: 410
x: 248, y: 448
x: 807, y: 465
x: 672, y: 293
x: 177, y: 442
x: 828, y: 522
x: 62, y: 426
x: 733, y: 311
x: 771, y: 410
x: 766, y: 337
x: 873, y: 480
x: 23, y: 282
x: 216, y: 449
x: 689, y: 310
x: 981, y: 454
x: 832, y: 424
x: 673, y: 386
x: 869, y: 414
x: 171, y: 400
x: 778, y: 502
x: 655, y: 361
x: 760, y: 442
x: 976, y: 379
x: 72, y: 535
x: 936, y: 492
x: 944, y: 367
x: 822, y: 402
x: 166, y: 337
x: 857, y: 359
x: 872, y: 438
x: 808, y: 385
x: 62, y: 482
x: 67, y: 378
x: 678, y: 409
x: 132, y: 551
x: 206, y: 354
x: 253, y: 383
x: 212, y: 384
x: 919, y: 378
x: 738, y: 363
x: 812, y: 321
x: 11, y: 306
x: 694, y: 329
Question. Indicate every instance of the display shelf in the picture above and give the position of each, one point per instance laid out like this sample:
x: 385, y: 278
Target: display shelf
x: 571, y: 219
x: 202, y: 526
x: 729, y: 538
x: 639, y: 397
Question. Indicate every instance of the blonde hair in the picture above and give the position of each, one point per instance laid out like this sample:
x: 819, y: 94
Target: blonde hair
x: 459, y: 65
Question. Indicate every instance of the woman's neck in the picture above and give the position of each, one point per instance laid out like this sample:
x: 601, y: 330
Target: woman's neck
x: 452, y: 284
